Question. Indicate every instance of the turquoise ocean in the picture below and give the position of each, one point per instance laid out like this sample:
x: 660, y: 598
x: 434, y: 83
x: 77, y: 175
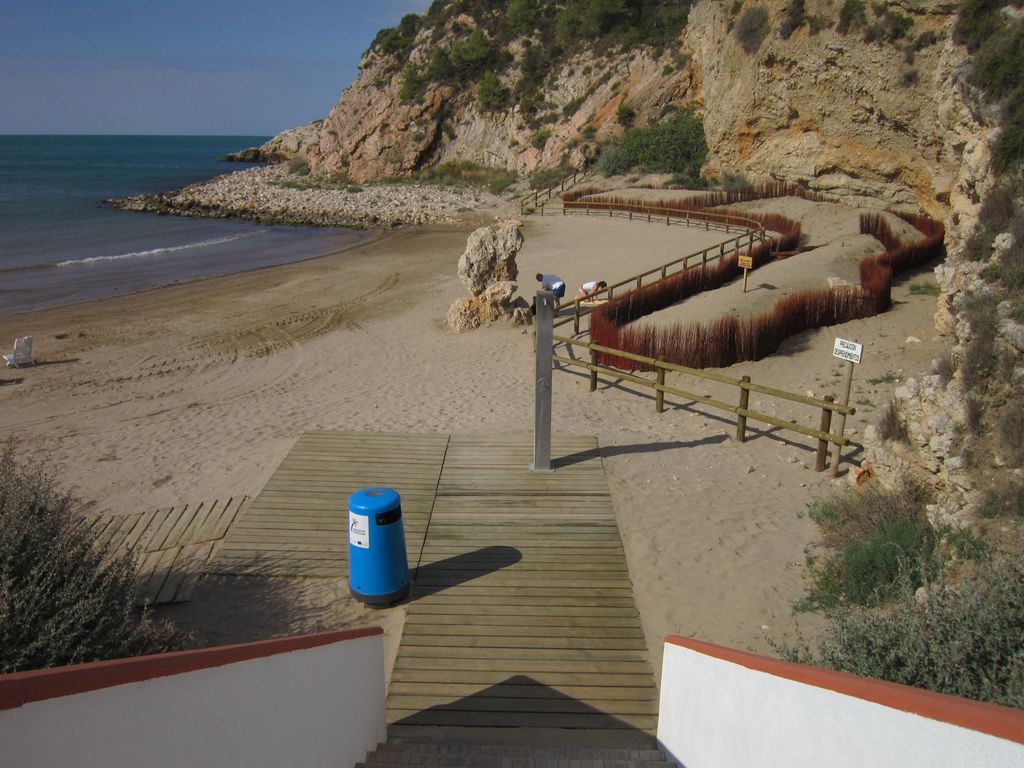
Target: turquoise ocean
x: 59, y: 245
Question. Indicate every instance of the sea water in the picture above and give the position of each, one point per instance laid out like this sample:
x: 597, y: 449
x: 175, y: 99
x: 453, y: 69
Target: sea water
x: 59, y: 244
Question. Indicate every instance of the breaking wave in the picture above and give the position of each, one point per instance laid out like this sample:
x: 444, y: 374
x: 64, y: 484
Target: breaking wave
x: 158, y: 251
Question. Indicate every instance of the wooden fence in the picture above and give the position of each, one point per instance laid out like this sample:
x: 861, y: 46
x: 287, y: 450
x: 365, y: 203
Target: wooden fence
x: 531, y: 200
x: 752, y: 232
x: 741, y: 408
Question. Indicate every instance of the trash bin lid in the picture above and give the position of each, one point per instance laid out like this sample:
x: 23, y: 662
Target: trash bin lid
x: 368, y: 501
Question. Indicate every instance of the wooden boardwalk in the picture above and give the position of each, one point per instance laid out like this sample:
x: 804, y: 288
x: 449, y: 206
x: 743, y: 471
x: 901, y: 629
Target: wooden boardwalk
x: 298, y: 525
x: 172, y: 544
x: 522, y: 611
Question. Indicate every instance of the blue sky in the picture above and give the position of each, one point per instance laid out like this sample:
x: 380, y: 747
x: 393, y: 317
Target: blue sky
x: 181, y: 66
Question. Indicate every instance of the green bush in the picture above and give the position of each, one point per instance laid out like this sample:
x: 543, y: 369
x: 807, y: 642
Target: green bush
x: 465, y: 173
x: 491, y: 95
x: 998, y: 67
x: 413, y: 83
x: 549, y: 177
x: 752, y: 28
x: 793, y: 20
x: 852, y: 16
x: 979, y: 358
x: 1010, y: 145
x: 521, y: 16
x: 440, y: 69
x: 889, y: 25
x: 733, y: 180
x: 299, y: 166
x: 977, y: 22
x: 876, y: 536
x: 964, y: 639
x: 62, y: 599
x: 611, y: 161
x: 540, y: 138
x: 1004, y: 500
x: 675, y: 145
x: 1011, y: 433
x: 625, y: 114
x: 473, y: 55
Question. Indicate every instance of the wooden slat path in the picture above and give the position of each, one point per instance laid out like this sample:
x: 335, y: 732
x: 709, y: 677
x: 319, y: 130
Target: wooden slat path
x: 297, y: 525
x: 522, y: 611
x: 172, y: 545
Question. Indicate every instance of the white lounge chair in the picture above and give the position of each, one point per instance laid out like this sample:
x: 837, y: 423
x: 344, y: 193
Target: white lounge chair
x: 22, y: 354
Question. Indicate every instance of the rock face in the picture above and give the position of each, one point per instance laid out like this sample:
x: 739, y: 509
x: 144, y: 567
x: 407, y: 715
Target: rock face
x: 295, y: 142
x: 842, y: 115
x: 488, y: 270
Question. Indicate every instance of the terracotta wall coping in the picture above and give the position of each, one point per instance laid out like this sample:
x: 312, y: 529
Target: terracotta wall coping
x: 993, y: 719
x: 40, y: 684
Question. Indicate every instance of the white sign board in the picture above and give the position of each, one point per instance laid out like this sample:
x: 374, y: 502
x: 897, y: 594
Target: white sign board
x: 358, y: 530
x: 847, y: 350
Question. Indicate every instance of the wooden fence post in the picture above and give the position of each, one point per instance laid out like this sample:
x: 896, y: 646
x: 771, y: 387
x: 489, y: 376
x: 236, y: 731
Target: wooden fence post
x: 659, y: 397
x: 593, y: 370
x: 741, y: 419
x: 824, y: 426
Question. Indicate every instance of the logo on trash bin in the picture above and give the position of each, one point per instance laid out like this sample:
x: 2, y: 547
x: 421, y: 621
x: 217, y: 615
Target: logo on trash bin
x: 359, y: 530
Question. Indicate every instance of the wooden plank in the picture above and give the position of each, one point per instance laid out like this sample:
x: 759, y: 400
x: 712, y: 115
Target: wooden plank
x: 509, y: 655
x: 174, y: 536
x: 160, y: 535
x: 184, y: 573
x: 500, y: 702
x: 229, y: 514
x: 530, y: 667
x: 533, y: 692
x: 158, y: 576
x: 469, y: 676
x: 145, y: 520
x: 128, y: 524
x: 106, y: 530
x: 596, y: 721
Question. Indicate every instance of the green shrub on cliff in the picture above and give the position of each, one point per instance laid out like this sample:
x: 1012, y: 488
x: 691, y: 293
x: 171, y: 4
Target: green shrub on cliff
x: 752, y: 28
x: 491, y: 95
x: 675, y: 145
x: 62, y: 601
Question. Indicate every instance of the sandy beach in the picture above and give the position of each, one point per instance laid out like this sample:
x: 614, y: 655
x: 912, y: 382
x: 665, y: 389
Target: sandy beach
x: 197, y: 391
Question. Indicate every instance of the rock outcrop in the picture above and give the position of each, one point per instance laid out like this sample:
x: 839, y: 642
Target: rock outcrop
x: 295, y: 142
x: 488, y: 270
x: 272, y: 196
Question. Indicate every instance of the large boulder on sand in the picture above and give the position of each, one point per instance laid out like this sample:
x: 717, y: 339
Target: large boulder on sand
x: 490, y: 256
x: 488, y: 270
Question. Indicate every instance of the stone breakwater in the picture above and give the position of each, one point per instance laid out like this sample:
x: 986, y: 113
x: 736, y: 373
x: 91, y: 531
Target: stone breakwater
x: 272, y: 196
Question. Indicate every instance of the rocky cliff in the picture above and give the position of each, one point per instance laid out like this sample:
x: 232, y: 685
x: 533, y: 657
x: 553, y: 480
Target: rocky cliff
x: 882, y: 122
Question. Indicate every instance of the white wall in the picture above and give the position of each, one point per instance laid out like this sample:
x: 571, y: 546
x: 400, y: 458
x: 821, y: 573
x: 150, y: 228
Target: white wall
x: 721, y: 714
x: 321, y: 706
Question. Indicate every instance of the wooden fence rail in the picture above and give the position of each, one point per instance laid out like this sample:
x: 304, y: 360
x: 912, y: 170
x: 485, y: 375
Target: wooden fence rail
x: 532, y: 199
x: 741, y: 408
x: 755, y: 233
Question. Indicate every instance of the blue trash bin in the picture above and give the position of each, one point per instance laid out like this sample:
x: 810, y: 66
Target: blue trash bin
x: 378, y: 569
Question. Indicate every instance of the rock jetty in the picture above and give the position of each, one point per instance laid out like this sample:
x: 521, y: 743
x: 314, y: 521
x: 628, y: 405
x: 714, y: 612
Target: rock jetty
x: 272, y: 195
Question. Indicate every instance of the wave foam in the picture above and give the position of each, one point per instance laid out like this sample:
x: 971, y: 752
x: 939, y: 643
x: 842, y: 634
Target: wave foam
x: 157, y: 251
